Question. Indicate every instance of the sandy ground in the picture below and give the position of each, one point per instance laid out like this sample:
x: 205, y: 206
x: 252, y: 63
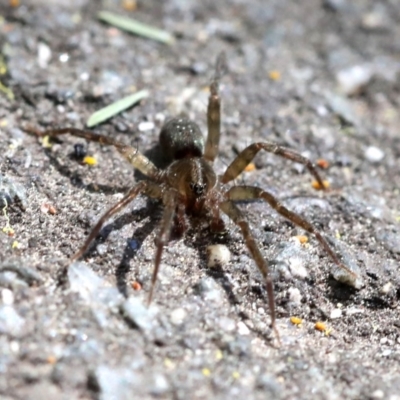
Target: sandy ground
x: 323, y: 78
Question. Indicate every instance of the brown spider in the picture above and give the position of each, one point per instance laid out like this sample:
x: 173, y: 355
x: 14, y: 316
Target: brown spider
x: 190, y: 187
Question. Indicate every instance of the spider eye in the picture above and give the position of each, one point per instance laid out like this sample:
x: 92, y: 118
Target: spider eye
x: 197, y: 188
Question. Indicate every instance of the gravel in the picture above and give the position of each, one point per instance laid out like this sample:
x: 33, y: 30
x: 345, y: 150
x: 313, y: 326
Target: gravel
x: 320, y: 77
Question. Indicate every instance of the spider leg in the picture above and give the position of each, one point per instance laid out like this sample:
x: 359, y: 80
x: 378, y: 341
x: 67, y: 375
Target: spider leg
x: 169, y: 199
x: 214, y: 111
x: 134, y: 157
x: 233, y: 212
x: 244, y: 158
x: 148, y: 188
x: 251, y: 193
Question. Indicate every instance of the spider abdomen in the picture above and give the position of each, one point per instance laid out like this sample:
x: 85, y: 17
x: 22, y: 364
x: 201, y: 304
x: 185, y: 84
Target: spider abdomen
x: 181, y: 138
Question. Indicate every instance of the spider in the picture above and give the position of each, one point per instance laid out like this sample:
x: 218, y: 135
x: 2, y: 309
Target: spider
x: 189, y: 186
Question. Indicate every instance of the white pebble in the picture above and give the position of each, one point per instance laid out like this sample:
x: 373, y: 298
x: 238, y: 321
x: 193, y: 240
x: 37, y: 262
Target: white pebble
x: 378, y: 394
x: 7, y: 296
x: 374, y: 154
x: 218, y: 254
x: 43, y: 55
x: 146, y: 126
x: 243, y: 329
x: 64, y: 57
x: 294, y: 295
x: 297, y: 268
x: 387, y: 288
x: 336, y: 313
x: 386, y: 353
x: 177, y: 316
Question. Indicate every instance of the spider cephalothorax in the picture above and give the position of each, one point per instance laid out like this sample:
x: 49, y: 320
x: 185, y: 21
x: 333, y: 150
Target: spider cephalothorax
x: 189, y: 186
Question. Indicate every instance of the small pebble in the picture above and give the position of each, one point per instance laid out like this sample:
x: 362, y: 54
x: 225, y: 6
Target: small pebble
x: 7, y: 297
x: 297, y: 267
x: 387, y: 288
x: 389, y: 238
x: 336, y: 313
x: 146, y: 126
x: 292, y: 259
x: 343, y: 107
x: 178, y: 316
x: 353, y: 278
x: 43, y: 55
x: 11, y: 323
x: 352, y: 80
x: 64, y: 57
x: 159, y: 385
x: 386, y: 353
x: 374, y: 154
x: 376, y: 20
x: 210, y: 291
x: 242, y: 328
x: 83, y: 280
x: 218, y: 255
x: 141, y: 316
x: 294, y: 295
x: 101, y: 249
x: 116, y: 383
x: 377, y: 394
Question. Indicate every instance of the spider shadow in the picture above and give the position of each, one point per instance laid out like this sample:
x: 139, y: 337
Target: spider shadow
x: 133, y: 244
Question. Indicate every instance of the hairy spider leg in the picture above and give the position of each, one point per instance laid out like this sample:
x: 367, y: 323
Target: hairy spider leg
x: 134, y: 157
x: 233, y: 212
x: 244, y: 158
x: 238, y: 193
x: 169, y: 198
x: 214, y: 111
x: 148, y: 188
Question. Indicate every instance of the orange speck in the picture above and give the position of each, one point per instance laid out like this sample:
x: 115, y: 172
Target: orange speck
x: 129, y: 5
x: 47, y: 208
x: 320, y: 326
x: 89, y: 160
x: 52, y: 210
x: 317, y: 186
x: 296, y: 320
x: 14, y: 3
x: 250, y: 167
x: 302, y: 239
x: 274, y: 75
x: 51, y: 359
x: 136, y: 285
x: 8, y: 231
x: 322, y: 163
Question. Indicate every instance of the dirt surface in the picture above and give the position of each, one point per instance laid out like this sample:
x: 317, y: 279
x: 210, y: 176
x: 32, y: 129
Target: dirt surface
x: 322, y: 77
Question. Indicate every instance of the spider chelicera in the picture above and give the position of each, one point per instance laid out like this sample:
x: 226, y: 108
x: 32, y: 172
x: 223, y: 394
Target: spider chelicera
x: 190, y: 187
